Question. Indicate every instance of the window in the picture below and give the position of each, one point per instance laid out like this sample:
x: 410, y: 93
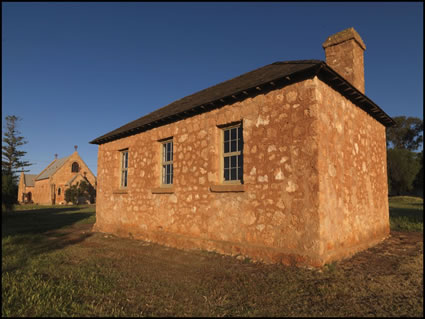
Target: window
x: 232, y: 154
x: 167, y: 162
x: 59, y: 191
x: 75, y: 167
x: 124, y: 168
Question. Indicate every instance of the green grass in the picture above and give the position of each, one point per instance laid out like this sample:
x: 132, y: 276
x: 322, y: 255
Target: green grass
x: 53, y: 265
x: 406, y: 213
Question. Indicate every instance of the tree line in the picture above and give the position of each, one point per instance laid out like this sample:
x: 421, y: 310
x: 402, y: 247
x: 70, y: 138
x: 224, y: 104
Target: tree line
x: 404, y: 162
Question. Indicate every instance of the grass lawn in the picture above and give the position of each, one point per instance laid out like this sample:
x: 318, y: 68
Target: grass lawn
x: 53, y: 265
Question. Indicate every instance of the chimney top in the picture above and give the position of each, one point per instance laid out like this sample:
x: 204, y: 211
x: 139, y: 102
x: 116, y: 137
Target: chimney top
x: 75, y: 146
x: 343, y: 36
x: 345, y: 54
x: 56, y: 156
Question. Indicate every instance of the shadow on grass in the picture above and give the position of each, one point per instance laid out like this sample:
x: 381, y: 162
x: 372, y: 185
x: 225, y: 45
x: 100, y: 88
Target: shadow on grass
x: 413, y: 215
x: 28, y: 233
x: 406, y: 218
x: 37, y: 221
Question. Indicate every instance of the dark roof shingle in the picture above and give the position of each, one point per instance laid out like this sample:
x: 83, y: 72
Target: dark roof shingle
x: 247, y: 81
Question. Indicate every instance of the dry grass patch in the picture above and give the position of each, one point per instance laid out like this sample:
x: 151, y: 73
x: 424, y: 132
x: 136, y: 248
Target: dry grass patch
x: 70, y: 271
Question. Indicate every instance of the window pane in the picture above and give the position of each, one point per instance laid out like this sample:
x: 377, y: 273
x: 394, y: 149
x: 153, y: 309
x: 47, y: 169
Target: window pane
x: 226, y: 135
x: 233, y: 161
x: 226, y: 147
x: 226, y: 162
x: 233, y: 146
x: 233, y: 134
x: 172, y: 173
x: 126, y: 159
x: 226, y: 174
x: 240, y: 161
x: 171, y: 156
x: 125, y: 178
x: 240, y: 173
x: 233, y: 174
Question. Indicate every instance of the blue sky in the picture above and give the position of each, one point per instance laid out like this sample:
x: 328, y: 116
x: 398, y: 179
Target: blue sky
x: 75, y: 71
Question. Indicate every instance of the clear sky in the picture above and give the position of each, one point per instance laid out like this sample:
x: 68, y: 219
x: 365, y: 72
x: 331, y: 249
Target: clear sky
x: 75, y: 71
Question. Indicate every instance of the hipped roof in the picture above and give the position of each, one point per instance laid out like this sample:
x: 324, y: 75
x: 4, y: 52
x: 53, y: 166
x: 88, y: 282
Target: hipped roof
x: 261, y: 80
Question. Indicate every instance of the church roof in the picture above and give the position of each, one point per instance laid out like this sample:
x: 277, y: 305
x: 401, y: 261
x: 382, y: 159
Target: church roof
x: 29, y: 179
x: 52, y: 168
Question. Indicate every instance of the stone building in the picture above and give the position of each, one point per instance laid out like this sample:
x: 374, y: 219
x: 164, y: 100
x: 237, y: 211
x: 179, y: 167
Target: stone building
x: 49, y: 186
x: 285, y: 164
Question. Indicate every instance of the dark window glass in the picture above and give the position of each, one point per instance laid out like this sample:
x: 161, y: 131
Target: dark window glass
x: 226, y: 135
x: 233, y: 146
x: 226, y: 147
x: 233, y: 174
x: 226, y: 174
x: 75, y: 167
x: 226, y: 162
x: 233, y: 133
x: 233, y: 161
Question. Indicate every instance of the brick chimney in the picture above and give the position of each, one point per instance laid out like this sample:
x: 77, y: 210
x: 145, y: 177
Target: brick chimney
x: 344, y: 53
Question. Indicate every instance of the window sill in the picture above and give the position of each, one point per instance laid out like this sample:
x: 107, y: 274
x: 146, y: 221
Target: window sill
x: 120, y: 191
x: 223, y: 188
x: 163, y: 190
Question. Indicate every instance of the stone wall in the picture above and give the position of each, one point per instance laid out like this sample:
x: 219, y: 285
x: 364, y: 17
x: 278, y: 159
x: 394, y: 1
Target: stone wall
x: 307, y: 198
x: 274, y: 219
x: 22, y: 188
x: 42, y: 192
x: 353, y: 209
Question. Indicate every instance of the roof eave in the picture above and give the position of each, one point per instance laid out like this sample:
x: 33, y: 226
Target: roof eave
x: 214, y: 104
x: 337, y: 82
x: 321, y: 69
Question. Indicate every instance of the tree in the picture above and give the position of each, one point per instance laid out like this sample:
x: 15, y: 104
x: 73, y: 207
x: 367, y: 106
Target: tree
x: 11, y: 154
x: 403, y: 166
x: 418, y: 183
x: 406, y: 134
x: 9, y: 191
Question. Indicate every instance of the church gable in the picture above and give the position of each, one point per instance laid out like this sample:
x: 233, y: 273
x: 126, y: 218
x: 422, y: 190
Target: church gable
x: 50, y: 185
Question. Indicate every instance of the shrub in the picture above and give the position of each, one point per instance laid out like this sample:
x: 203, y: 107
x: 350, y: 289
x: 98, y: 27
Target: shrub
x: 80, y: 192
x: 72, y: 194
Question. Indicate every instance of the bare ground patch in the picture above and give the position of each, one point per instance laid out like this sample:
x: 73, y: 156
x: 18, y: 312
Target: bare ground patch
x: 150, y: 279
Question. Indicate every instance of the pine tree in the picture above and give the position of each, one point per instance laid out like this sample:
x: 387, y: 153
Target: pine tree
x: 11, y: 154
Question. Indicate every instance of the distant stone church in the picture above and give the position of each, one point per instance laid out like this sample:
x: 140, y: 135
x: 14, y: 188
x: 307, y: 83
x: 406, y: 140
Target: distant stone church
x: 49, y: 186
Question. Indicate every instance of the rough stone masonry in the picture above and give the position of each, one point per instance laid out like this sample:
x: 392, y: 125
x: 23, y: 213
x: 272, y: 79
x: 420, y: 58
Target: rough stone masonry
x: 314, y: 183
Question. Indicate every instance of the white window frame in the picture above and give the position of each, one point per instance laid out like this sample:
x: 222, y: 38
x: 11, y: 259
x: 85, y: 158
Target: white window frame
x: 124, y: 169
x: 228, y: 153
x: 167, y: 163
